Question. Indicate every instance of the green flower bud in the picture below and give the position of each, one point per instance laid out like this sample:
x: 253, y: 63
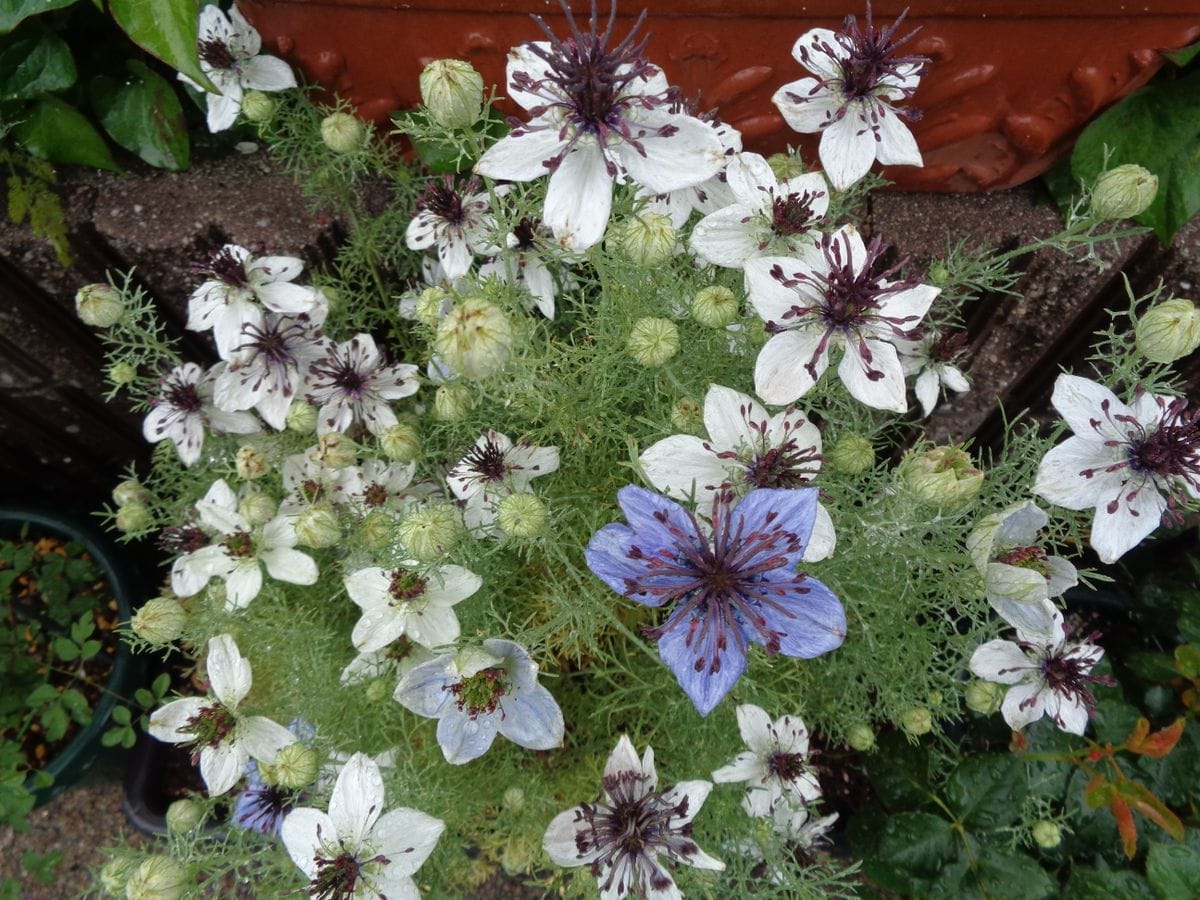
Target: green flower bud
x: 116, y: 873
x: 938, y: 274
x: 401, y: 442
x: 916, y: 721
x: 133, y: 518
x: 318, y: 527
x: 160, y: 621
x: 122, y: 373
x: 1047, y: 834
x: 474, y: 338
x: 257, y: 106
x: 687, y: 415
x: 934, y: 698
x: 861, y: 737
x: 1123, y: 192
x: 520, y: 855
x: 514, y: 799
x: 258, y: 508
x: 184, y: 815
x: 250, y: 463
x: 378, y: 530
x: 295, y: 766
x: 343, y: 132
x: 99, y: 305
x: 430, y: 532
x: 452, y: 402
x: 157, y: 878
x: 851, y: 454
x: 943, y: 477
x: 983, y: 697
x: 715, y: 306
x: 521, y: 515
x: 647, y: 239
x: 336, y: 450
x: 452, y: 92
x: 301, y: 417
x: 378, y: 690
x: 130, y: 491
x: 653, y: 341
x: 1168, y: 331
x: 786, y: 165
x: 432, y: 304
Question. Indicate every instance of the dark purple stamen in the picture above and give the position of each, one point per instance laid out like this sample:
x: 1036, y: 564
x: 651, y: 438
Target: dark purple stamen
x: 225, y: 266
x: 443, y: 200
x: 216, y: 53
x: 487, y: 461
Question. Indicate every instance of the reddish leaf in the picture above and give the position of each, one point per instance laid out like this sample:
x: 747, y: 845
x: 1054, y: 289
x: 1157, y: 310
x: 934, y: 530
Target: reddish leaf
x: 1155, y: 745
x: 1121, y: 812
x: 1098, y: 793
x: 1151, y: 807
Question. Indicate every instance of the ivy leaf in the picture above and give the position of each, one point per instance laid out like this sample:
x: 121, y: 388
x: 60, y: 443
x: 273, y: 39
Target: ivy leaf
x: 1173, y: 870
x: 987, y: 790
x: 143, y: 115
x: 13, y: 12
x: 166, y: 29
x: 59, y: 132
x: 30, y: 66
x: 1157, y: 127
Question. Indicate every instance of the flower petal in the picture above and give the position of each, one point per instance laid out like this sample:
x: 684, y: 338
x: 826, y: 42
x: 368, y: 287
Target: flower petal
x: 357, y: 799
x: 579, y: 198
x: 406, y: 837
x: 780, y: 372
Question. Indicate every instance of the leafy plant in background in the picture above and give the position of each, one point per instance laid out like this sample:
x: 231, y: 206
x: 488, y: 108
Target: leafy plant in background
x: 1157, y: 127
x: 71, y: 87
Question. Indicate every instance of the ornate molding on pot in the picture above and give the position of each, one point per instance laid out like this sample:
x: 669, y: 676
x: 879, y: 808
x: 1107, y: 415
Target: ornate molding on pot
x: 1010, y: 84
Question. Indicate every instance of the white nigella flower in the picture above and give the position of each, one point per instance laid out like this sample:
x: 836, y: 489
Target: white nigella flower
x: 403, y: 601
x: 356, y: 850
x: 266, y: 370
x: 858, y: 77
x: 352, y: 383
x: 386, y: 486
x: 228, y: 49
x: 495, y: 468
x: 241, y: 552
x: 307, y: 480
x: 775, y: 767
x: 746, y: 449
x: 705, y: 197
x: 931, y: 359
x: 766, y: 218
x: 237, y: 288
x: 184, y: 406
x: 452, y: 220
x: 225, y: 739
x: 795, y: 825
x: 599, y: 113
x: 478, y: 693
x: 1133, y: 463
x: 1049, y: 676
x: 387, y: 664
x: 621, y: 837
x: 527, y: 256
x: 1018, y: 575
x: 829, y: 296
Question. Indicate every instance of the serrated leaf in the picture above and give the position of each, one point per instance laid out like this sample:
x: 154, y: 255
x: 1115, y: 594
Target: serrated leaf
x: 919, y: 843
x: 43, y: 693
x: 899, y: 772
x: 1106, y: 884
x: 56, y: 131
x: 1187, y: 660
x: 987, y: 790
x: 1173, y: 870
x: 1013, y: 876
x: 13, y: 12
x: 143, y: 115
x: 65, y: 649
x: 1157, y: 127
x: 167, y: 30
x: 34, y: 65
x: 54, y: 722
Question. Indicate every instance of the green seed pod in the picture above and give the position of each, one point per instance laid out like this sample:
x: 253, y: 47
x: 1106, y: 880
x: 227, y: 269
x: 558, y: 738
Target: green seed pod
x: 1123, y: 192
x: 160, y: 621
x: 343, y: 133
x: 99, y: 305
x: 1047, y: 834
x: 430, y: 532
x: 158, y: 877
x: 250, y: 463
x: 452, y: 402
x: 647, y: 239
x: 401, y: 442
x: 452, y: 92
x: 653, y: 341
x: 318, y: 527
x: 474, y: 338
x: 715, y: 306
x: 301, y: 417
x: 851, y: 454
x: 861, y: 737
x: 184, y: 815
x: 1168, y: 331
x: 916, y: 721
x: 257, y: 106
x: 133, y: 518
x: 944, y: 476
x: 983, y: 697
x: 521, y: 515
x: 258, y: 508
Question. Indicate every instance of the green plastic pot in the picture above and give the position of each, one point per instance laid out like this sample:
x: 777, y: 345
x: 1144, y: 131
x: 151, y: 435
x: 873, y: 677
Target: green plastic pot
x: 70, y: 765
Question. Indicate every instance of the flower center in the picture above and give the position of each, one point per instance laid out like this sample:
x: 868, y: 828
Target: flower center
x: 488, y: 461
x: 261, y: 809
x: 399, y: 649
x: 240, y: 545
x: 443, y: 200
x: 338, y: 878
x: 375, y: 494
x: 480, y: 693
x: 182, y: 539
x: 406, y: 585
x: 786, y: 766
x: 786, y: 466
x: 182, y: 395
x: 210, y: 726
x: 792, y: 215
x: 1033, y: 558
x: 1173, y: 449
x: 224, y: 265
x: 525, y: 234
x: 216, y: 53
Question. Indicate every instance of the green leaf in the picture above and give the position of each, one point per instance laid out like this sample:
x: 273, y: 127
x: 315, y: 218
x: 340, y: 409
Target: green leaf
x: 66, y: 649
x: 1187, y: 660
x: 160, y: 686
x: 1173, y: 870
x: 43, y: 693
x: 1106, y: 884
x: 120, y: 715
x: 899, y: 772
x: 1152, y: 666
x: 76, y: 704
x: 58, y: 132
x: 112, y: 737
x: 919, y: 843
x: 997, y: 873
x: 987, y: 790
x: 1157, y: 127
x: 1114, y: 719
x: 1184, y: 56
x: 12, y: 12
x: 143, y: 115
x: 167, y: 29
x: 34, y: 65
x: 55, y: 721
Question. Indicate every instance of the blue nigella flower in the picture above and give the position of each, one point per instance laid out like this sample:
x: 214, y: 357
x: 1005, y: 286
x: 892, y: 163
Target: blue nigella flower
x: 730, y: 584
